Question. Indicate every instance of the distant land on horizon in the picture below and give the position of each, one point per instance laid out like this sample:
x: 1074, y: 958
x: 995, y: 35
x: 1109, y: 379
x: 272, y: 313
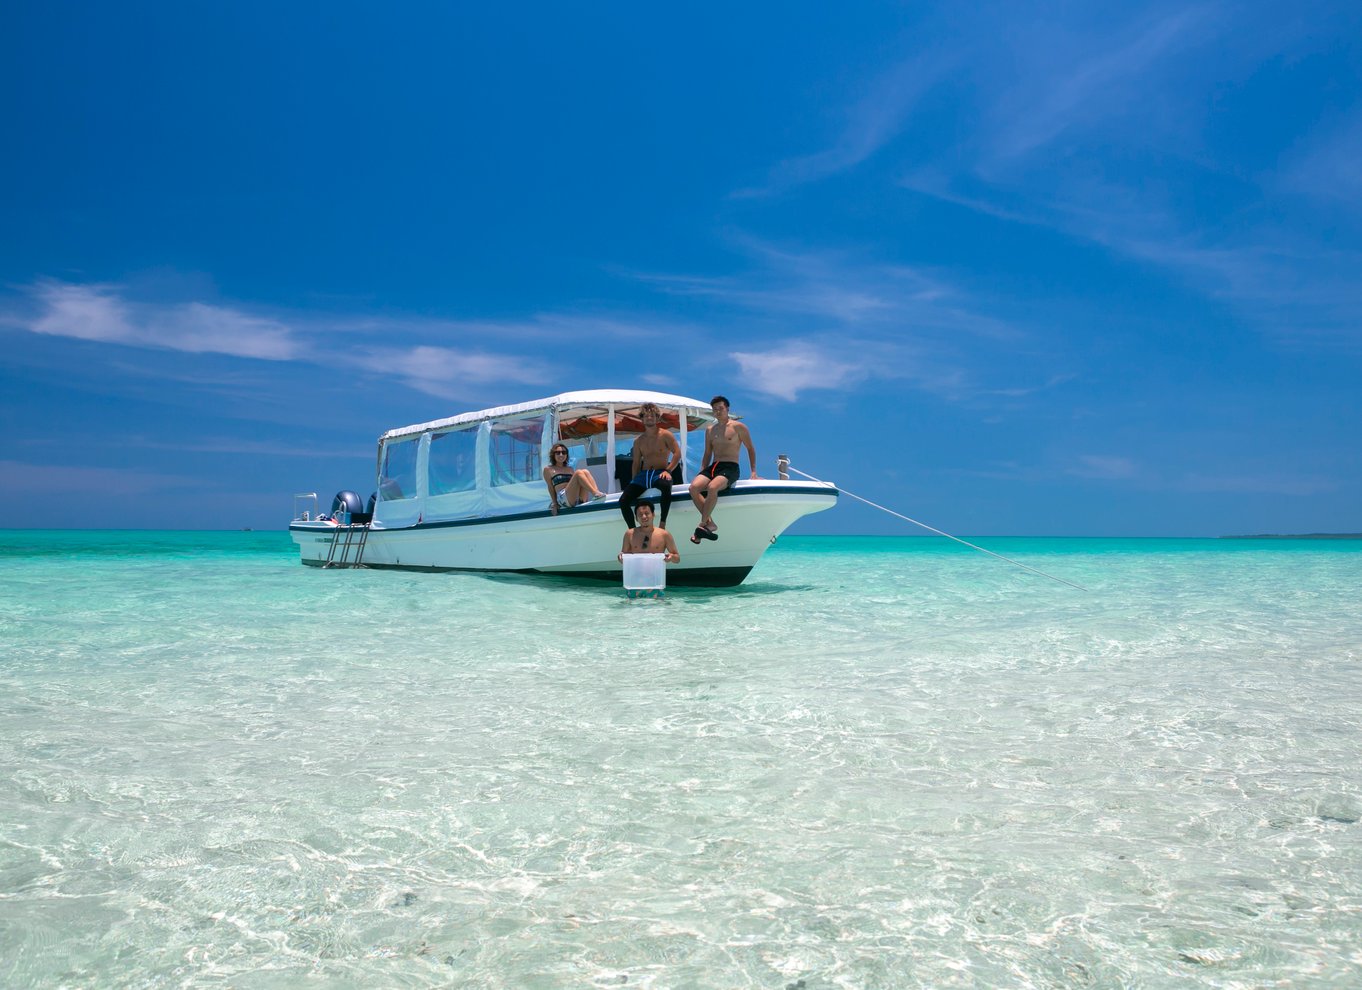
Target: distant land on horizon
x: 1296, y: 536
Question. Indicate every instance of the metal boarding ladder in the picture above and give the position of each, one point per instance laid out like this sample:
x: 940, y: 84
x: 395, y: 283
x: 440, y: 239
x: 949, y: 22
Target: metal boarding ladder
x: 351, y: 542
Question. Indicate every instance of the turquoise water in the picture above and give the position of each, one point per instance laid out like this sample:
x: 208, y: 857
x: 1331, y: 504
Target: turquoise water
x: 878, y: 763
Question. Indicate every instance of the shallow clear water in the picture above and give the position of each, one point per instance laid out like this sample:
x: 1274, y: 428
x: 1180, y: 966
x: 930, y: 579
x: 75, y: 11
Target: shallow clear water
x: 878, y: 763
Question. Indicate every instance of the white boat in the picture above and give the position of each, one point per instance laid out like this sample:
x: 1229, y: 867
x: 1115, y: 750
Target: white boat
x: 467, y: 493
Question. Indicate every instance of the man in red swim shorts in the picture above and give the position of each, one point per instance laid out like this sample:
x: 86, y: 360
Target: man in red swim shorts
x: 722, y: 442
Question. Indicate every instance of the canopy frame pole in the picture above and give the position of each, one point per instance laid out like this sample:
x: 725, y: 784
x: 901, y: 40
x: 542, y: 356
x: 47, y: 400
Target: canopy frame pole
x: 681, y: 426
x: 610, y: 449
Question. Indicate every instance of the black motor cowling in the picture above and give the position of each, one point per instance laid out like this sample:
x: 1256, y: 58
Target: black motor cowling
x: 349, y: 502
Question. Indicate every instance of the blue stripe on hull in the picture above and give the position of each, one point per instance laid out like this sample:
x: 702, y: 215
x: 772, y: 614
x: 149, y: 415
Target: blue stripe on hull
x: 698, y: 577
x: 588, y: 507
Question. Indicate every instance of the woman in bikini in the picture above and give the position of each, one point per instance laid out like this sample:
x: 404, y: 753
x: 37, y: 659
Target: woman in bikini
x: 566, y: 486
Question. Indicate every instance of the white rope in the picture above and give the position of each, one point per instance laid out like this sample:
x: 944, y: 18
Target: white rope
x: 948, y: 536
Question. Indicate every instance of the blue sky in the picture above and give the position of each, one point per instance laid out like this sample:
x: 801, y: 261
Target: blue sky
x: 1009, y: 269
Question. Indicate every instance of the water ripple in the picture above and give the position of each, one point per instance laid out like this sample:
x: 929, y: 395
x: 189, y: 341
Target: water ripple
x: 866, y: 767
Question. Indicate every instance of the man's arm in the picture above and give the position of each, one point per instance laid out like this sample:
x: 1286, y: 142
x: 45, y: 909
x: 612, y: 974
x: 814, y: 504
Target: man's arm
x: 745, y: 435
x: 673, y: 554
x: 624, y: 547
x: 705, y: 461
x: 674, y: 457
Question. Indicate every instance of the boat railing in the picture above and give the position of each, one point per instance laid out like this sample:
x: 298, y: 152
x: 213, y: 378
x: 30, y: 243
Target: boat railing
x: 301, y: 501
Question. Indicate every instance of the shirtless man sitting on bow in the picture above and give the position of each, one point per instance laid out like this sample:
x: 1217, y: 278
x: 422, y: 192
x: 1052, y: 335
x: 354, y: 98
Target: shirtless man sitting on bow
x: 722, y: 441
x: 656, y: 455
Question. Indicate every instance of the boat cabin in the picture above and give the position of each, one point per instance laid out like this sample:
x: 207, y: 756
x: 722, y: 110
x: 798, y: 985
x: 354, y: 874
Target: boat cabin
x: 490, y: 463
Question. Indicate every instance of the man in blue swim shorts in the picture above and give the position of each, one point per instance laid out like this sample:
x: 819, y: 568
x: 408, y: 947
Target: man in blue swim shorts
x: 656, y: 454
x: 723, y: 440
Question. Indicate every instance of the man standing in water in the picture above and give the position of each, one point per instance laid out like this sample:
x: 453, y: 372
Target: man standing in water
x: 656, y: 454
x: 722, y: 441
x: 647, y: 538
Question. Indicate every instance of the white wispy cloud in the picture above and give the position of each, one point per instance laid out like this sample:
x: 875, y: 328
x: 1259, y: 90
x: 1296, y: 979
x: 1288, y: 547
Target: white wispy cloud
x: 449, y: 373
x: 839, y: 319
x: 839, y: 362
x: 1293, y: 292
x: 873, y: 119
x: 840, y: 289
x: 1078, y: 79
x: 103, y: 312
x: 1056, y: 133
x: 100, y: 312
x: 1104, y: 466
x: 792, y: 368
x: 812, y: 296
x: 543, y: 331
x: 1327, y: 165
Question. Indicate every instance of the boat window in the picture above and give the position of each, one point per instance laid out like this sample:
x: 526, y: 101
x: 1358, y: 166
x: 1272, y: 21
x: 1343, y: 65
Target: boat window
x: 453, y: 462
x: 398, y: 478
x: 515, y: 454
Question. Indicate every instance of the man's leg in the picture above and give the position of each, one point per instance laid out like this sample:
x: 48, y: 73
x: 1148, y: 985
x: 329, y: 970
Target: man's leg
x: 716, y: 485
x: 664, y: 489
x: 627, y: 501
x: 697, y: 493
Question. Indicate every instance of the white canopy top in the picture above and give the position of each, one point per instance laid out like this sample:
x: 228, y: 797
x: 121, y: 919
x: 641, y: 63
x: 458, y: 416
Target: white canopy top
x: 572, y: 403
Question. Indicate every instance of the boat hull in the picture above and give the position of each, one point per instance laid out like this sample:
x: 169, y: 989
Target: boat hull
x: 583, y: 542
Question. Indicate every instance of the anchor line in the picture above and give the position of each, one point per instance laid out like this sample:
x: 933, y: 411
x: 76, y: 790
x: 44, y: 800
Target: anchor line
x: 900, y: 515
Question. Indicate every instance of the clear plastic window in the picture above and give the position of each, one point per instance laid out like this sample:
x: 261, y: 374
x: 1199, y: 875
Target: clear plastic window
x: 516, y: 456
x: 453, y: 462
x: 398, y: 478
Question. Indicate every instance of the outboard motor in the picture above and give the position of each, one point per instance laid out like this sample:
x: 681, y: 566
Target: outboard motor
x: 346, y: 506
x: 367, y: 516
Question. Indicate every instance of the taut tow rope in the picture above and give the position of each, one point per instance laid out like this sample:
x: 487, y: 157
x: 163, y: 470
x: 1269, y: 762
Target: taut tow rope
x: 900, y: 515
